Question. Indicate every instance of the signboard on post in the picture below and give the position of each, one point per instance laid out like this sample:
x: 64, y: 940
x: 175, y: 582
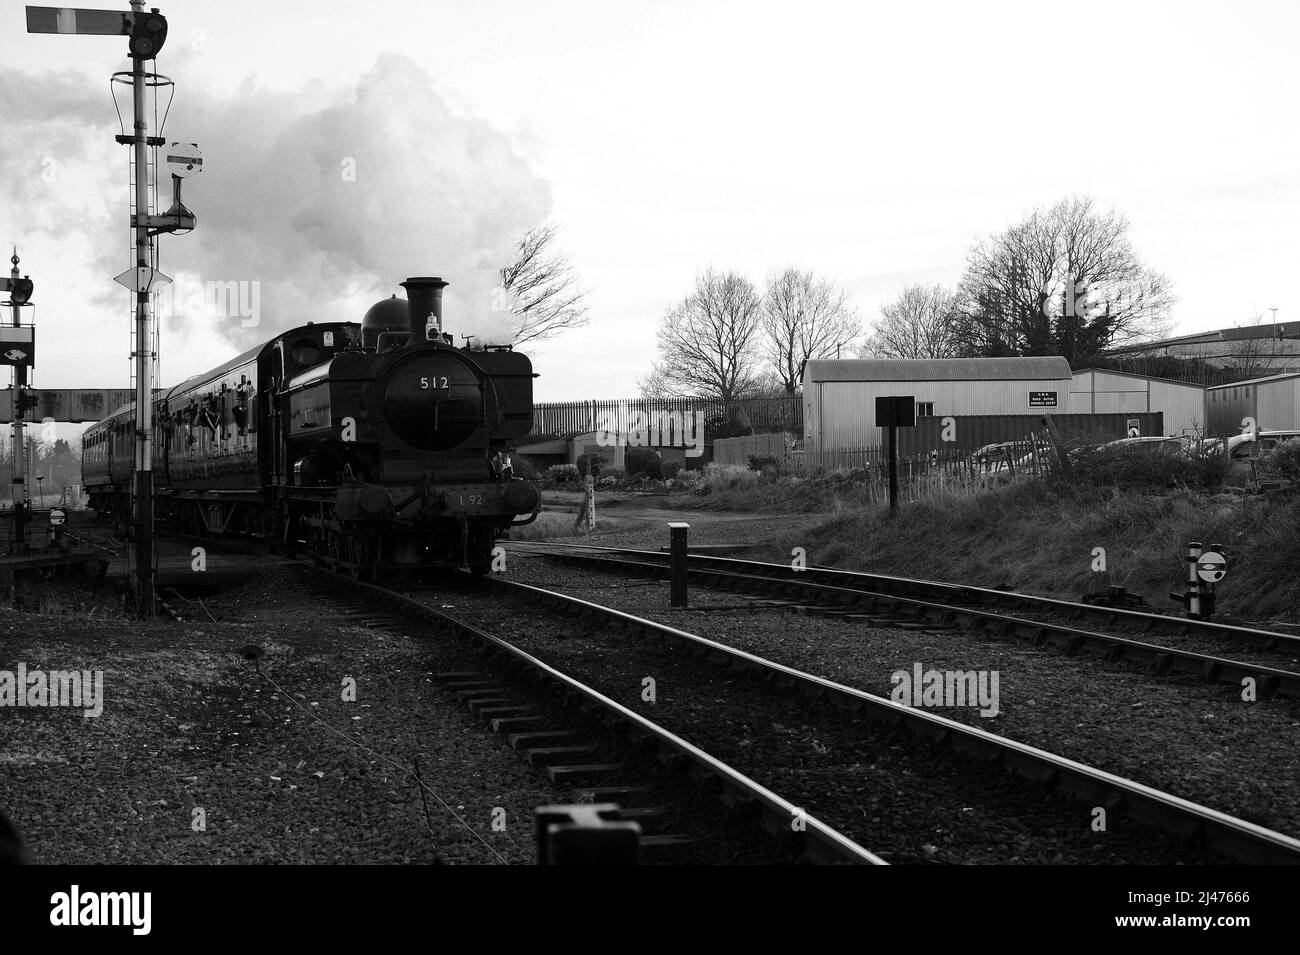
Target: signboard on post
x: 18, y: 346
x: 894, y: 412
x: 897, y: 411
x: 1211, y: 567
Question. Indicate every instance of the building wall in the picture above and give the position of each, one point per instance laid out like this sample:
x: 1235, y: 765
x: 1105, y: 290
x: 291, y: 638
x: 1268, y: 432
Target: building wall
x: 1225, y: 407
x: 1103, y: 392
x: 1275, y: 406
x: 842, y: 414
x: 1275, y: 356
x: 597, y: 444
x: 1278, y: 404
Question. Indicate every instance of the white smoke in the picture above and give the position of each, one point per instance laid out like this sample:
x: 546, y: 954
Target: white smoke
x: 324, y: 199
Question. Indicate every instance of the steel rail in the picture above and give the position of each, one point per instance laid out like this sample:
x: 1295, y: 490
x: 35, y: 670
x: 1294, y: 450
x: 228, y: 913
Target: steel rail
x: 1260, y: 639
x: 1162, y: 658
x: 1216, y: 831
x: 804, y: 833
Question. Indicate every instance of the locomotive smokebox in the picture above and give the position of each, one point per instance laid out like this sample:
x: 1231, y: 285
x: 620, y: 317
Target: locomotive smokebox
x: 424, y: 302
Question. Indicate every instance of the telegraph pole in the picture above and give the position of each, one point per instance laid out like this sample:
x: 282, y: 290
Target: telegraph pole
x: 143, y: 341
x: 146, y: 32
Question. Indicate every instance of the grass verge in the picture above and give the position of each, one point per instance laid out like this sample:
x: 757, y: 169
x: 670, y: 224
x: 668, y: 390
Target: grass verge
x: 1036, y: 538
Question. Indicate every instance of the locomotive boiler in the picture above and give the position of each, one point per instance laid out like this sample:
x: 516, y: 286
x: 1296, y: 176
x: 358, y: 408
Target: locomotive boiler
x: 378, y: 447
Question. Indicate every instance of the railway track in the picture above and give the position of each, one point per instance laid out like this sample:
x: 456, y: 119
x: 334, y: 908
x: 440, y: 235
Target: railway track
x: 1201, y: 826
x: 879, y: 600
x: 795, y: 833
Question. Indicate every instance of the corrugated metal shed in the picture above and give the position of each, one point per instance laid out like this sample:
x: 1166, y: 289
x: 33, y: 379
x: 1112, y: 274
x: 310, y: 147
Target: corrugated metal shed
x: 1273, y: 401
x: 1103, y: 391
x: 936, y: 369
x: 839, y: 396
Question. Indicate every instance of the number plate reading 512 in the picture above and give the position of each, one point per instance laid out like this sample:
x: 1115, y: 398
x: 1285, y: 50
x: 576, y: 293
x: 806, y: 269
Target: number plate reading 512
x: 435, y: 383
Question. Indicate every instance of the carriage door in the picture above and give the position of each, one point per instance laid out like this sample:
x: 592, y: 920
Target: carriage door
x: 279, y: 466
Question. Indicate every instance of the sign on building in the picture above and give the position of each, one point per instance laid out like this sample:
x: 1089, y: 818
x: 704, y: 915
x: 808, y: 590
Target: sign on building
x: 1042, y: 399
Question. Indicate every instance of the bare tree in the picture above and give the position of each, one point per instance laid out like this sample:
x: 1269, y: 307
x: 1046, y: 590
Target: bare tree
x: 540, y: 290
x: 1065, y: 281
x: 921, y: 323
x: 706, y: 343
x: 1255, y: 348
x: 804, y: 318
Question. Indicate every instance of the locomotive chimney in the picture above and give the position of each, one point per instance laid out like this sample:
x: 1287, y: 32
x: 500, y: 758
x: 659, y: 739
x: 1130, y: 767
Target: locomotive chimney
x: 424, y: 299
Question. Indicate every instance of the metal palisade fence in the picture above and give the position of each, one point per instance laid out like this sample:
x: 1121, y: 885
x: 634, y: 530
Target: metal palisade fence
x: 921, y: 475
x: 718, y: 418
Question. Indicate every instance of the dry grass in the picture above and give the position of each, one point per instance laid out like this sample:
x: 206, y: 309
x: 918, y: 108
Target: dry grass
x: 551, y: 525
x: 1031, y: 537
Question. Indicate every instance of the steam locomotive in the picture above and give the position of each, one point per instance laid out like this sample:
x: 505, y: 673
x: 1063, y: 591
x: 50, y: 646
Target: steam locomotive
x: 379, y: 447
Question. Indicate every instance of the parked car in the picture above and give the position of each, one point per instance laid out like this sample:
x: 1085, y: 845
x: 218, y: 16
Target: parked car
x: 1248, y: 445
x: 1005, y: 456
x: 1177, y: 443
x: 1244, y: 450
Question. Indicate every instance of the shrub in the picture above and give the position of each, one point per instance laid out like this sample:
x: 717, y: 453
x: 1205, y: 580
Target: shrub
x: 593, y: 461
x: 764, y: 462
x: 1136, y: 466
x: 639, y: 461
x: 614, y: 474
x: 688, y: 477
x: 1284, y: 460
x: 718, y: 477
x: 562, y: 473
x: 671, y: 470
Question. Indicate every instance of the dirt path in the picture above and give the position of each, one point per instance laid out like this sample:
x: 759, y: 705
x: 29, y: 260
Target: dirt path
x: 641, y: 519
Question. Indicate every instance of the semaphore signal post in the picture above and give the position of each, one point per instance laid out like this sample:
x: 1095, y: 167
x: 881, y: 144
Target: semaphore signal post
x: 146, y: 31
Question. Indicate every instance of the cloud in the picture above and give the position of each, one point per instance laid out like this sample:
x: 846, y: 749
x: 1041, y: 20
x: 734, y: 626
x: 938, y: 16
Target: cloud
x: 328, y: 198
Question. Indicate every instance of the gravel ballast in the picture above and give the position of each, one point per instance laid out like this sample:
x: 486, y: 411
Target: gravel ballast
x: 188, y: 724
x: 1192, y: 739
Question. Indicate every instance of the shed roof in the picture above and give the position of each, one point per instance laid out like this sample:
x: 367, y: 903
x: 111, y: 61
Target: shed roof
x: 1130, y: 374
x: 1250, y: 381
x: 937, y: 369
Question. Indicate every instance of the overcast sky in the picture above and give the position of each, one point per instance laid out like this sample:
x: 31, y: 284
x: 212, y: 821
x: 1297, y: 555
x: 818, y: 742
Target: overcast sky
x: 869, y: 142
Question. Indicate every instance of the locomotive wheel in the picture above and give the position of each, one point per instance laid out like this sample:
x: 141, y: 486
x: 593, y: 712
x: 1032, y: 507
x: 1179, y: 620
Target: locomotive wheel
x: 357, y: 557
